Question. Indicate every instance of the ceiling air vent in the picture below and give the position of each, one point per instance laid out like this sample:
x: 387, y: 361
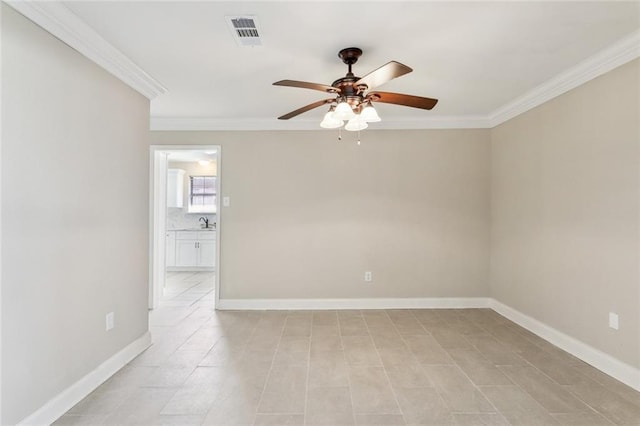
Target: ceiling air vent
x: 245, y: 30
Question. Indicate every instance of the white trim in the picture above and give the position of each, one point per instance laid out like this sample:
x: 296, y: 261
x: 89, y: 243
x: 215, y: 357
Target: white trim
x: 623, y: 372
x: 378, y: 303
x: 189, y: 269
x: 249, y: 124
x: 60, y: 21
x: 1, y: 240
x: 66, y: 399
x: 68, y: 27
x: 619, y: 53
x: 619, y: 370
x: 157, y: 225
x: 219, y: 227
x: 158, y: 212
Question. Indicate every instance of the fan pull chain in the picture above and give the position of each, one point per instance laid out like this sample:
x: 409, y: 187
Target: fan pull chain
x: 358, y: 137
x: 340, y: 133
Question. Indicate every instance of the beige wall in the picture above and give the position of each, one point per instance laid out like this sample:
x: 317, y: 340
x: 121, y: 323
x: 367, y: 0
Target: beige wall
x: 75, y: 203
x: 565, y: 214
x: 310, y: 214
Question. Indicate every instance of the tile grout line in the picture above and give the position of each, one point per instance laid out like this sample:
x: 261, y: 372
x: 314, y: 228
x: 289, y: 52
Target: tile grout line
x: 186, y: 289
x: 266, y: 380
x: 195, y: 284
x: 440, y: 398
x: 253, y: 331
x: 176, y: 326
x: 384, y: 368
x: 346, y: 363
x: 218, y: 391
x: 201, y: 318
x: 520, y: 387
x: 497, y: 411
x: 306, y: 387
x: 461, y: 370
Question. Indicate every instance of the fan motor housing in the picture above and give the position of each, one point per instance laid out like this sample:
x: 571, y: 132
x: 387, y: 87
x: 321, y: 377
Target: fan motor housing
x: 350, y: 55
x: 347, y: 85
x: 348, y: 90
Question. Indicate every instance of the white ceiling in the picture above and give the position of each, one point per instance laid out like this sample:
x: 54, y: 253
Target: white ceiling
x: 474, y: 57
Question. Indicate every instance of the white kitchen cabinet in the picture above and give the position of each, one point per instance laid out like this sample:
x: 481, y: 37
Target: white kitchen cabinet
x: 207, y: 253
x: 171, y: 249
x: 195, y: 249
x: 187, y: 253
x: 175, y: 188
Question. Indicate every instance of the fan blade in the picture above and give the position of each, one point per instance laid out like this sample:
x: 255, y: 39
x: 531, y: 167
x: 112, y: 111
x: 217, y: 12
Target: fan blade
x: 306, y: 108
x: 384, y: 74
x: 400, y: 99
x: 307, y: 85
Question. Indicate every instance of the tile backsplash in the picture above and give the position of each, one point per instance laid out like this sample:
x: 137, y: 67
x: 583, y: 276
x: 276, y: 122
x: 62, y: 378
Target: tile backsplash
x: 178, y: 219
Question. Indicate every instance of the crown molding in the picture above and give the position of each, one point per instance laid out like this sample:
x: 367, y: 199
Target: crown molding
x: 218, y: 124
x: 619, y: 53
x: 61, y: 22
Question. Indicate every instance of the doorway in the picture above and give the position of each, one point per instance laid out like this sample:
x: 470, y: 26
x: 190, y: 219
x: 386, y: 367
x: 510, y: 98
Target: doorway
x: 185, y: 225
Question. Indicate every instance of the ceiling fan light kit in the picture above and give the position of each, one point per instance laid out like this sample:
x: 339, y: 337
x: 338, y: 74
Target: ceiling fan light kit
x: 369, y: 114
x: 353, y: 100
x: 329, y: 121
x: 356, y: 124
x: 343, y: 111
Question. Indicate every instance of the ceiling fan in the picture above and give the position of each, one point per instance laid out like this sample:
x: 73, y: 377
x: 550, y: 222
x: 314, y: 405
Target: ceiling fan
x: 352, y: 98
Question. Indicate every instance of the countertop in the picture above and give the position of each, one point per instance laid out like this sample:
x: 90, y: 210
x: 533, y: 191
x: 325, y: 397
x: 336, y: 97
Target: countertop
x: 193, y: 229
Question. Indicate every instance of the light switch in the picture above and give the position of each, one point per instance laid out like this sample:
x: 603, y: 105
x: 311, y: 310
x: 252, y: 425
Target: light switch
x: 110, y: 321
x: 613, y: 321
x: 226, y: 201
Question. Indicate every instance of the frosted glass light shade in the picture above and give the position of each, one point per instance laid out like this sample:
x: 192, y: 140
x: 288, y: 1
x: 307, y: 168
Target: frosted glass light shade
x: 343, y: 112
x: 328, y: 122
x: 356, y: 124
x: 370, y: 115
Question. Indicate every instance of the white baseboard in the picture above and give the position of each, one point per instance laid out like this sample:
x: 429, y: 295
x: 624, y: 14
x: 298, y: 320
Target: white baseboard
x: 621, y: 371
x: 606, y: 363
x: 189, y: 269
x: 377, y: 303
x: 62, y: 402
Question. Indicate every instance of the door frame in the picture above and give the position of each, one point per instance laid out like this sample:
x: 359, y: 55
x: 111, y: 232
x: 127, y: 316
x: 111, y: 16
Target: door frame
x: 158, y: 217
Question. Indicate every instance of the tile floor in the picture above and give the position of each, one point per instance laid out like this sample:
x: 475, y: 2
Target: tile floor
x: 386, y: 367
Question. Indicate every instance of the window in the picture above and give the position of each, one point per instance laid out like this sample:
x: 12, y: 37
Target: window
x: 202, y: 194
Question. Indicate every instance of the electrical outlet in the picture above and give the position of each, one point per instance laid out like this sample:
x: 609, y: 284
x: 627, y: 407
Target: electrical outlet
x: 110, y: 321
x: 226, y: 201
x: 613, y: 321
x: 368, y: 276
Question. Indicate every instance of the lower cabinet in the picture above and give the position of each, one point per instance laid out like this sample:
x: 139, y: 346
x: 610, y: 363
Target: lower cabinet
x: 170, y: 260
x: 207, y: 253
x: 186, y: 253
x: 195, y: 249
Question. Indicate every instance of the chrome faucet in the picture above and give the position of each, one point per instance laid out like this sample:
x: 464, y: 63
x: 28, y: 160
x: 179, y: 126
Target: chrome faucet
x: 206, y: 221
